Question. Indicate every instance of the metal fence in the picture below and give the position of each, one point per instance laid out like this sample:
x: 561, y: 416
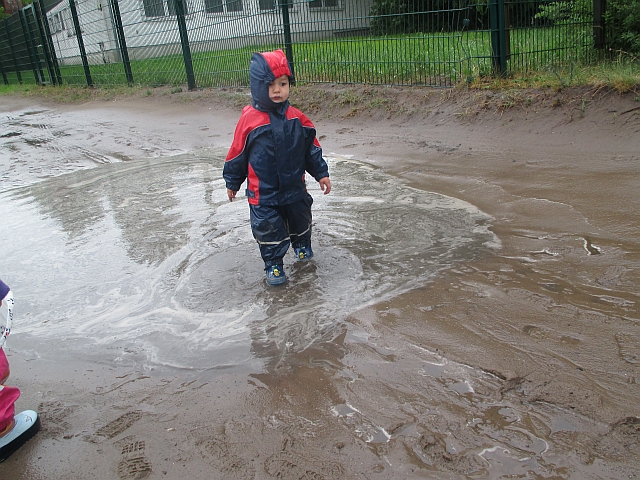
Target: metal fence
x: 208, y: 43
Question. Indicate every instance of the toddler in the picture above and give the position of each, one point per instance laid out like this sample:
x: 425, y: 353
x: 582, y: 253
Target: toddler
x: 273, y: 146
x: 15, y: 430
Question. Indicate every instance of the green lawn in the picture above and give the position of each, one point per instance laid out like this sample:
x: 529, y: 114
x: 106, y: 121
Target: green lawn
x: 434, y: 59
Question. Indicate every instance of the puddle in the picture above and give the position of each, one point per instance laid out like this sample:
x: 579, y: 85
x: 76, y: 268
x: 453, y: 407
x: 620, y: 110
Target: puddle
x: 149, y: 261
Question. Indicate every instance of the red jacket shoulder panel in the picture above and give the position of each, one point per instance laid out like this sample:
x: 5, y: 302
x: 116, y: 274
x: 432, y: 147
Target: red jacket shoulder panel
x: 250, y: 119
x: 293, y: 112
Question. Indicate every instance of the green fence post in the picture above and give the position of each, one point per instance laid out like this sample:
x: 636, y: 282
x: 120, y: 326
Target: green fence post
x: 115, y: 9
x: 83, y: 52
x: 13, y: 53
x: 4, y: 75
x: 42, y: 15
x: 184, y: 40
x: 599, y: 39
x: 497, y: 24
x: 37, y: 73
x: 287, y: 37
x: 44, y: 41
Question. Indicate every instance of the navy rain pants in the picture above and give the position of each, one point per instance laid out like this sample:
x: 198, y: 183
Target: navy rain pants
x: 277, y: 227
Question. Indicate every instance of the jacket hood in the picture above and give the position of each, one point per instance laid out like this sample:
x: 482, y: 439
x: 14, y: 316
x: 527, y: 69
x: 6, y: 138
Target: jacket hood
x: 264, y: 69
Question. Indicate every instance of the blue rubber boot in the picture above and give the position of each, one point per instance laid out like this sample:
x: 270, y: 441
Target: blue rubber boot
x: 275, y: 275
x: 303, y: 253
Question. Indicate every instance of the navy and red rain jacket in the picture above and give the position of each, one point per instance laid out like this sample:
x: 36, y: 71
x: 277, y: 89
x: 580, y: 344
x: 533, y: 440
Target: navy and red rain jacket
x: 274, y: 143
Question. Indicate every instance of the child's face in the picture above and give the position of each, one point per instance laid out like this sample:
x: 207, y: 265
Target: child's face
x: 279, y: 89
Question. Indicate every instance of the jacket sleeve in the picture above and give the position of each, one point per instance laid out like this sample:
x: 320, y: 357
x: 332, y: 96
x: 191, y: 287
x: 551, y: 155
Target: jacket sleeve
x: 314, y: 163
x: 237, y: 162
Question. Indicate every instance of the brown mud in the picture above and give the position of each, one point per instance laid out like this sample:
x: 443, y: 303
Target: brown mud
x: 547, y: 330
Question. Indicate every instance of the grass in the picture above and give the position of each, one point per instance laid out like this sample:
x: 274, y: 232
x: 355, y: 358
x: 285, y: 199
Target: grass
x: 556, y: 58
x: 430, y: 59
x: 621, y: 75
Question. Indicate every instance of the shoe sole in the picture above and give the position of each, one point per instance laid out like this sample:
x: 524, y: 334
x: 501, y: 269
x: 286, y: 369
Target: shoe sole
x: 15, y: 443
x: 274, y: 282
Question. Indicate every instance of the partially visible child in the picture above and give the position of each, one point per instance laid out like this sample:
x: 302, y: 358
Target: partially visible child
x: 273, y: 146
x: 15, y: 430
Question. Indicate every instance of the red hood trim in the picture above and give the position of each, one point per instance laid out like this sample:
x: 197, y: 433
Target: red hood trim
x: 277, y: 62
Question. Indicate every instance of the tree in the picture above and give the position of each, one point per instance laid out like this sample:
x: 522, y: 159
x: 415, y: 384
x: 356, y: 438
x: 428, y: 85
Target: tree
x: 622, y: 20
x: 622, y: 25
x: 410, y: 16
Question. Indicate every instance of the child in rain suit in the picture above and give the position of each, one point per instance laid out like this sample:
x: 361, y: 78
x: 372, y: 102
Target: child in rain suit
x: 15, y: 430
x: 274, y: 145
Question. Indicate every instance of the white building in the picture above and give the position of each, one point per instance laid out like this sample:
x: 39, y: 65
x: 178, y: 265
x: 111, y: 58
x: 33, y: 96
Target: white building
x: 151, y: 30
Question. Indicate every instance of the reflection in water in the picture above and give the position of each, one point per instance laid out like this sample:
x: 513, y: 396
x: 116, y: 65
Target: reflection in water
x: 150, y: 256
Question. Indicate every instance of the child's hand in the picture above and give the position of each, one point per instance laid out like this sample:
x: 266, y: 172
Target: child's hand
x: 325, y: 185
x: 231, y: 194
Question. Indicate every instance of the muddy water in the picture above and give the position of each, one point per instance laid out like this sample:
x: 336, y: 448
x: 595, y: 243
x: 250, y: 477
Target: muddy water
x: 143, y: 264
x: 150, y: 257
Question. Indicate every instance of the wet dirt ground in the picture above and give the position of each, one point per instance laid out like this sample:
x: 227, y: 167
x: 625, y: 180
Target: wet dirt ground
x: 471, y: 312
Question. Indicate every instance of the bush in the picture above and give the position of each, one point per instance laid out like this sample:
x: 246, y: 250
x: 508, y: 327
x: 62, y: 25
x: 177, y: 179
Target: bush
x: 622, y: 25
x: 390, y: 17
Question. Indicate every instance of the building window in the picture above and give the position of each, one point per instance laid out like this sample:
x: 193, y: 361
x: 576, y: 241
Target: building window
x: 57, y: 23
x: 324, y: 4
x: 153, y: 8
x: 171, y: 7
x: 221, y: 6
x: 214, y: 6
x: 234, y: 5
x: 61, y: 21
x: 156, y: 8
x: 266, y: 5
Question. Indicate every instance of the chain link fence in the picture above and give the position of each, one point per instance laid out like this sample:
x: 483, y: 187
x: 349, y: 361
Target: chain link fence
x: 208, y: 43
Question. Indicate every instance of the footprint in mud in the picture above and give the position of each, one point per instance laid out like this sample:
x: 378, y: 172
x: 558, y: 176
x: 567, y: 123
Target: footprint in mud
x: 119, y: 425
x: 134, y: 463
x: 611, y: 276
x: 52, y: 417
x: 569, y: 340
x: 286, y: 465
x: 621, y: 439
x: 535, y: 332
x: 226, y: 460
x: 432, y: 450
x: 628, y: 347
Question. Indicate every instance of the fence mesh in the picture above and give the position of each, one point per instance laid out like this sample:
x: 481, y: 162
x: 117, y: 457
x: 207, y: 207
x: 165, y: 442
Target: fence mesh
x: 208, y: 43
